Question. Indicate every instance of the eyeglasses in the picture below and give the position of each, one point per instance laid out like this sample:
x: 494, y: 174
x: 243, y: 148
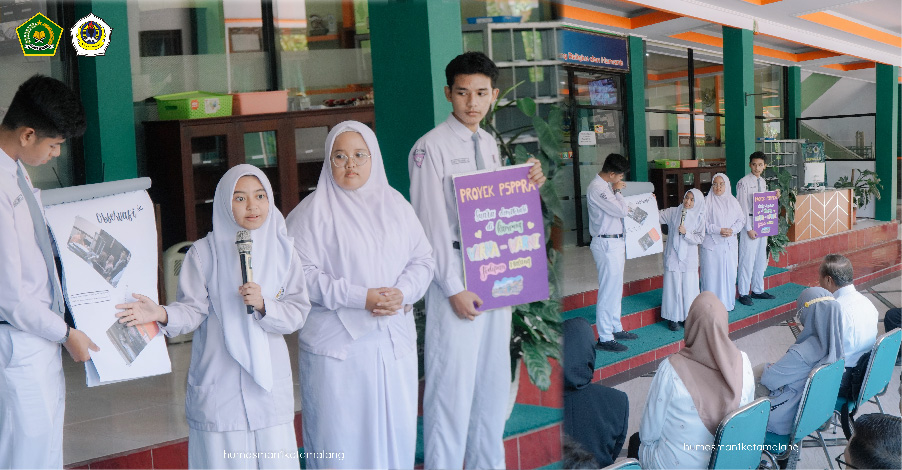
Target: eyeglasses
x: 843, y: 464
x: 341, y: 160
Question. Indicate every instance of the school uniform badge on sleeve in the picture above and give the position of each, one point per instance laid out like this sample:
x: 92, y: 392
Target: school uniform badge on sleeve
x: 19, y: 199
x: 418, y: 156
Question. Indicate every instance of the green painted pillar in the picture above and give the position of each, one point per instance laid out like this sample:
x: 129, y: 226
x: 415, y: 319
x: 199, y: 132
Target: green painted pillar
x: 739, y: 79
x: 209, y: 27
x: 412, y: 42
x: 793, y: 100
x: 885, y: 149
x: 637, y: 137
x: 106, y: 91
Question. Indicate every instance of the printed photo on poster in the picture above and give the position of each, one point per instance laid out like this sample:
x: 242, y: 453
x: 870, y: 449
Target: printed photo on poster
x: 642, y: 227
x: 99, y: 249
x: 131, y: 340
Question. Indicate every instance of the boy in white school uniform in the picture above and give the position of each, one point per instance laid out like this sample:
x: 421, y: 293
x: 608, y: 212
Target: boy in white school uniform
x: 606, y: 212
x: 752, y: 247
x: 467, y: 351
x: 43, y: 114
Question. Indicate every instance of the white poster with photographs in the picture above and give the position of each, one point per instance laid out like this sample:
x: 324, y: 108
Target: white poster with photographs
x: 108, y: 250
x: 642, y: 226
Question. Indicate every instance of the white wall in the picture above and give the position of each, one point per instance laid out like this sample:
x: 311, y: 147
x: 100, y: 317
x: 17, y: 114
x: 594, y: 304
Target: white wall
x: 847, y: 96
x: 836, y: 169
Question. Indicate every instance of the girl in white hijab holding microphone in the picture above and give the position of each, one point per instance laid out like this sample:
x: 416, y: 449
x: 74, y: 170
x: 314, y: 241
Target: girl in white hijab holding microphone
x: 367, y: 261
x: 240, y: 399
x: 720, y: 250
x: 686, y: 229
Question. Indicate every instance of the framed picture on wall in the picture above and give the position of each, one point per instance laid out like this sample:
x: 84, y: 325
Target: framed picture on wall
x: 245, y: 39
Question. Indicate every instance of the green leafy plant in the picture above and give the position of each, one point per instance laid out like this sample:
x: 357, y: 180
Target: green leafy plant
x: 776, y: 244
x: 866, y: 186
x: 536, y: 327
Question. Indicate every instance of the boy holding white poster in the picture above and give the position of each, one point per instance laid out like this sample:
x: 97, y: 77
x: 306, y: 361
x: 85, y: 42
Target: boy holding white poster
x: 606, y: 212
x: 43, y: 114
x: 240, y: 398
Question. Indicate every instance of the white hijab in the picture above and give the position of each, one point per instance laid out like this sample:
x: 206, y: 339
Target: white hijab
x: 695, y: 218
x: 360, y: 236
x: 724, y: 210
x: 271, y: 256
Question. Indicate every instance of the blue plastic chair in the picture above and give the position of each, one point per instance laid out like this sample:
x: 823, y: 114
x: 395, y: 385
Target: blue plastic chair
x: 876, y: 378
x: 626, y: 464
x: 743, y: 427
x: 814, y: 410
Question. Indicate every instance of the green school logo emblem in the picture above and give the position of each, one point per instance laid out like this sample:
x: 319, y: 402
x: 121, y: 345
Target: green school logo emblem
x: 39, y: 36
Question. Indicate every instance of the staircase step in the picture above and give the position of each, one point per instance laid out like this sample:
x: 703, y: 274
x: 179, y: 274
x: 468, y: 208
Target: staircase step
x: 532, y: 437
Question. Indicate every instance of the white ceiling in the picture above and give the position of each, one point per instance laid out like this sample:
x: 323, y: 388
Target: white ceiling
x: 779, y: 26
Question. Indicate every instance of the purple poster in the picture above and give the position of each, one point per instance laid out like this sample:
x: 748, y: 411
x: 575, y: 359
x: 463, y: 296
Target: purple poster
x: 765, y: 213
x: 502, y: 237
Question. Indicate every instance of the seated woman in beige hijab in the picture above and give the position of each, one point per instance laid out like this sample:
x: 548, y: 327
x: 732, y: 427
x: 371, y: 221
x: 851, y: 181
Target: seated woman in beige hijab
x: 693, y: 390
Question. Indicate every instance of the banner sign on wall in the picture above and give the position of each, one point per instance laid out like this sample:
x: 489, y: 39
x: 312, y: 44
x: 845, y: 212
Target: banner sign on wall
x: 765, y: 213
x: 108, y: 250
x: 593, y: 50
x: 642, y: 226
x: 502, y: 237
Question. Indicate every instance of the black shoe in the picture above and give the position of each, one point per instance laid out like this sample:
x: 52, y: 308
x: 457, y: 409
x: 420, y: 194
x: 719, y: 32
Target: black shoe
x: 674, y: 326
x: 745, y: 300
x: 682, y: 324
x: 763, y: 295
x: 621, y: 335
x: 611, y: 345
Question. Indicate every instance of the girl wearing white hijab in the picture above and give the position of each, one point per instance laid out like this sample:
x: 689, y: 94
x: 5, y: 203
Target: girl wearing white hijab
x: 367, y: 261
x: 686, y: 230
x: 820, y: 342
x: 720, y: 249
x: 240, y: 398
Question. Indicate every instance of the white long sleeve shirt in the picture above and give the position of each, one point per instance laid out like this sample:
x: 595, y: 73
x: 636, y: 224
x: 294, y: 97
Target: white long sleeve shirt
x: 326, y: 335
x: 671, y: 428
x: 606, y: 208
x: 443, y: 152
x: 221, y: 395
x: 745, y: 191
x: 25, y: 291
x: 860, y: 321
x: 671, y: 216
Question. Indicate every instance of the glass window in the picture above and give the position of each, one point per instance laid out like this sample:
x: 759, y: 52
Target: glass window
x: 667, y: 81
x: 768, y: 91
x: 324, y: 53
x: 844, y: 138
x: 17, y: 68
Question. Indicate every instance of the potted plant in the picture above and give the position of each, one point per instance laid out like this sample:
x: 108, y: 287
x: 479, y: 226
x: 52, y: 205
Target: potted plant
x: 536, y: 327
x: 866, y: 186
x: 776, y: 244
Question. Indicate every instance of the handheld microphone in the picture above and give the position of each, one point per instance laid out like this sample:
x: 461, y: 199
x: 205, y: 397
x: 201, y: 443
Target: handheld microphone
x: 683, y: 216
x: 244, y: 243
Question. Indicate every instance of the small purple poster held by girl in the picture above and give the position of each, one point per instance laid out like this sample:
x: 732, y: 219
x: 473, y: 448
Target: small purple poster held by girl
x: 765, y: 213
x: 502, y: 237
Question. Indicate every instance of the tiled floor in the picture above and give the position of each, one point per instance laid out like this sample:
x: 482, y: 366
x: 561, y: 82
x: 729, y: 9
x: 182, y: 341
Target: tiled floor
x: 116, y: 418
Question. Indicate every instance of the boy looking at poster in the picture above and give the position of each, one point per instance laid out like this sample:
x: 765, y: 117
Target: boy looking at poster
x: 43, y: 114
x: 467, y: 351
x: 606, y: 212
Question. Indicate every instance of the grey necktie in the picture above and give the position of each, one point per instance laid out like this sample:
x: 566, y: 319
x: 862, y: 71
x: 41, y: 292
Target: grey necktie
x: 480, y: 163
x: 759, y: 183
x: 43, y: 239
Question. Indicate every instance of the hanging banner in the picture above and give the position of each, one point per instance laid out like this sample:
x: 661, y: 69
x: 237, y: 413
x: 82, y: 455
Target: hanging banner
x: 108, y: 249
x: 765, y: 213
x: 642, y: 226
x: 502, y: 237
x: 593, y: 50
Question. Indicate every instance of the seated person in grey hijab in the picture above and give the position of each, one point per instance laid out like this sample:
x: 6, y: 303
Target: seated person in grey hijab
x: 819, y: 343
x: 595, y: 416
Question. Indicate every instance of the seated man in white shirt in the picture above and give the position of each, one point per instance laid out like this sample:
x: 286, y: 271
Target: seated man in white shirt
x: 859, y: 314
